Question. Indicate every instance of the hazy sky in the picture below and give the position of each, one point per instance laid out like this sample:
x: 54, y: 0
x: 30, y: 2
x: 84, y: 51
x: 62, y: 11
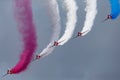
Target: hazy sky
x: 92, y: 57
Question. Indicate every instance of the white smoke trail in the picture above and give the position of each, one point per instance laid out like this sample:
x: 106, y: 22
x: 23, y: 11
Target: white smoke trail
x: 54, y: 14
x: 91, y: 11
x: 71, y: 8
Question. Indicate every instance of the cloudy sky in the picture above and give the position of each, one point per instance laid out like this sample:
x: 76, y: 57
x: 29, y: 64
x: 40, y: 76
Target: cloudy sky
x: 92, y: 57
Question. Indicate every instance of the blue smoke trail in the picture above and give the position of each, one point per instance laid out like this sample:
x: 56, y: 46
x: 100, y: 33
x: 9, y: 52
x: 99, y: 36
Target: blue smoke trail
x: 115, y: 8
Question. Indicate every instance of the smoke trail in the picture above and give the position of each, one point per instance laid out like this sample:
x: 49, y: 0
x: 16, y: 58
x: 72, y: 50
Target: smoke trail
x: 115, y: 8
x: 23, y: 15
x: 91, y: 11
x: 71, y: 8
x: 54, y: 14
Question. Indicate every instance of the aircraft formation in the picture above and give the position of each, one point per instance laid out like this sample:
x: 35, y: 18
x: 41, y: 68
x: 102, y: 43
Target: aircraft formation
x: 28, y: 32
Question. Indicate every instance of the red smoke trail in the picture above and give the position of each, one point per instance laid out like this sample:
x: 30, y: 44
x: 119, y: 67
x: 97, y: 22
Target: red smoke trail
x: 23, y: 15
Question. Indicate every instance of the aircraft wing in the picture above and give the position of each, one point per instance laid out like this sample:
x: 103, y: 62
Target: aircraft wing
x: 74, y: 37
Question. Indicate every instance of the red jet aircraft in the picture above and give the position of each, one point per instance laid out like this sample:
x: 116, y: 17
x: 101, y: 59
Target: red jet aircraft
x: 79, y: 34
x: 108, y: 17
x: 8, y: 72
x: 37, y: 57
x: 56, y: 43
